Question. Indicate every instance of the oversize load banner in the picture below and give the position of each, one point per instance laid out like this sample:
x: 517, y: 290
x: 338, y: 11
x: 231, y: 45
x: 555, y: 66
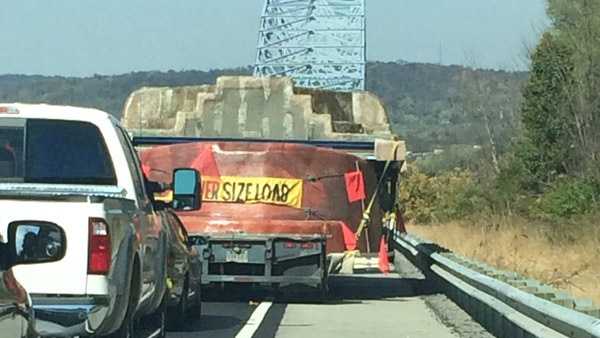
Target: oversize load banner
x: 235, y: 189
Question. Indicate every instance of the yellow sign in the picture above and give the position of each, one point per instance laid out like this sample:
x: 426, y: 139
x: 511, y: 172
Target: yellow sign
x: 235, y: 189
x: 271, y: 190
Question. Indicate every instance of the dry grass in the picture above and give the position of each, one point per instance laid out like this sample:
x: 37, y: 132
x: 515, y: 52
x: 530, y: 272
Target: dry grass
x: 565, y: 257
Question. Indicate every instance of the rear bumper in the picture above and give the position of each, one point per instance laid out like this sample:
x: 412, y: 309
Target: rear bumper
x: 69, y: 316
x: 282, y: 259
x: 305, y: 280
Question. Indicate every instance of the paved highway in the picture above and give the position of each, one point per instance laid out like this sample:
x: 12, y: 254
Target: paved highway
x: 396, y: 305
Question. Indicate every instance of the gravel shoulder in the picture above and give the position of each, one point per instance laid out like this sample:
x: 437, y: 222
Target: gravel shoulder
x: 446, y: 311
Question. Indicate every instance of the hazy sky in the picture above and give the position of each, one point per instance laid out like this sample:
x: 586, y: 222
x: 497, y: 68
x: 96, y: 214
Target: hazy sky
x: 83, y: 37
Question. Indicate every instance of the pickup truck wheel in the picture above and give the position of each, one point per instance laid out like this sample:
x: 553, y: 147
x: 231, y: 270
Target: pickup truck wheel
x: 155, y: 324
x: 176, y: 318
x: 127, y: 328
x: 162, y: 318
x: 195, y: 310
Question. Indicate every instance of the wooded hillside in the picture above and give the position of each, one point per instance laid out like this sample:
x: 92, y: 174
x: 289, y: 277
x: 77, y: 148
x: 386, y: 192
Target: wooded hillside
x: 424, y: 100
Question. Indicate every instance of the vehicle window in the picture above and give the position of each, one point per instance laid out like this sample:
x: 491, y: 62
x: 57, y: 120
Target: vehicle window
x: 54, y: 152
x: 11, y: 151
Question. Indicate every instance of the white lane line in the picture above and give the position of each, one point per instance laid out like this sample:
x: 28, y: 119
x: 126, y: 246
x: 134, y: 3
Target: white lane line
x: 254, y: 321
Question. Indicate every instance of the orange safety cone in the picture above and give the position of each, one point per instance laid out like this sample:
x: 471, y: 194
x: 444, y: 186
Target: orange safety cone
x: 384, y: 264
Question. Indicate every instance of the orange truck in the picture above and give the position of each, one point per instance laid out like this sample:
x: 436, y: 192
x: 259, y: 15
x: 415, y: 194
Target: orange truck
x: 293, y: 179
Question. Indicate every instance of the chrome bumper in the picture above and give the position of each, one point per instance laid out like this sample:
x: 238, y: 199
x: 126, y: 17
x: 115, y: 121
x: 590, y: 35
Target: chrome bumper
x: 69, y: 316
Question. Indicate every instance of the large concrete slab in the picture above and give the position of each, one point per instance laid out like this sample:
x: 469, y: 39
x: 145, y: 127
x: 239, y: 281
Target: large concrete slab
x: 249, y: 107
x: 395, y: 317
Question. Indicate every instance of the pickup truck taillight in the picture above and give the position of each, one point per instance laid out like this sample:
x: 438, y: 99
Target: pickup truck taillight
x: 99, y: 243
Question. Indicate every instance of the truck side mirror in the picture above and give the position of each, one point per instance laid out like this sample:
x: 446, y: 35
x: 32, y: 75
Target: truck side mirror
x: 31, y: 242
x: 187, y: 190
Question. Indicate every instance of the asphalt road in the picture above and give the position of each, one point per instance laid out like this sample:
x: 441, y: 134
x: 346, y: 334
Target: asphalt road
x: 374, y: 305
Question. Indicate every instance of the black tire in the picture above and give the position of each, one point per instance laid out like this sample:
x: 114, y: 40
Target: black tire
x: 324, y: 286
x: 322, y: 291
x: 127, y: 328
x: 156, y: 323
x: 177, y: 315
x: 161, y: 317
x: 196, y: 309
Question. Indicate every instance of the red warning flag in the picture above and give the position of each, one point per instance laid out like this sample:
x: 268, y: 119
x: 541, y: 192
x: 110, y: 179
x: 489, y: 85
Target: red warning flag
x: 384, y: 264
x: 355, y: 186
x: 146, y: 169
x: 349, y: 237
x: 205, y: 162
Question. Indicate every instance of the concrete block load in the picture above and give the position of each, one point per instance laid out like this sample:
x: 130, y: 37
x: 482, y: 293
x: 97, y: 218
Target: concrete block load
x: 251, y: 107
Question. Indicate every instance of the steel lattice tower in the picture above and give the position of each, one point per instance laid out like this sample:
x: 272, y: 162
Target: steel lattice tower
x: 319, y: 43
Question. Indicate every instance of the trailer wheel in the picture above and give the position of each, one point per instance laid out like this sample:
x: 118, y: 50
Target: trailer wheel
x: 324, y: 290
x: 324, y: 286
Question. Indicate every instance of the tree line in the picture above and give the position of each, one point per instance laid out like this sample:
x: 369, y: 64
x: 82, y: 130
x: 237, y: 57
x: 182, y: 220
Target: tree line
x: 540, y: 157
x: 422, y: 99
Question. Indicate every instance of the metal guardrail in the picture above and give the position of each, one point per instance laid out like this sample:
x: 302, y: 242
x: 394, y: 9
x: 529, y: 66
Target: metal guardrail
x: 505, y: 303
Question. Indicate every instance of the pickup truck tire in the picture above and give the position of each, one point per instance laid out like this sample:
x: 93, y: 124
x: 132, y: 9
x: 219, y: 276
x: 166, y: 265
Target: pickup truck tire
x: 195, y: 311
x: 128, y: 327
x: 177, y: 315
x: 155, y: 324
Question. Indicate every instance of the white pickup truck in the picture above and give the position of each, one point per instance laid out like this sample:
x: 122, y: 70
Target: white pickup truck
x: 76, y: 168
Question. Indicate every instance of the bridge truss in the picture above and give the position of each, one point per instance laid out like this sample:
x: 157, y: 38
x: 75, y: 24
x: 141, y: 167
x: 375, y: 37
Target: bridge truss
x: 319, y: 43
